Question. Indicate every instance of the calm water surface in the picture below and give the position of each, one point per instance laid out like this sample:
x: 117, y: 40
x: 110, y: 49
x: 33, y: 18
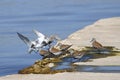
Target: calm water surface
x: 60, y: 17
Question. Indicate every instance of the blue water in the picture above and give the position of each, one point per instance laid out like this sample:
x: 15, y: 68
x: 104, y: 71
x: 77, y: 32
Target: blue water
x: 67, y: 62
x: 61, y: 17
x: 100, y: 69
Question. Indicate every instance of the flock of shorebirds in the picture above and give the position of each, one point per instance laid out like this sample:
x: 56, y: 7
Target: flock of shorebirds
x: 43, y: 45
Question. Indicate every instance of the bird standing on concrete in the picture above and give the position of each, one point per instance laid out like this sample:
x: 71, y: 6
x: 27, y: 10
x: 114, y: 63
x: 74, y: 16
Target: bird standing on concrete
x: 58, y: 52
x: 76, y: 54
x: 96, y: 44
x: 46, y: 54
x: 53, y: 52
x: 98, y: 47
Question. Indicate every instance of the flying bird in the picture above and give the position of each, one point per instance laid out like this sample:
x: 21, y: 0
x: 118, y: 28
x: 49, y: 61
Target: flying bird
x: 39, y: 43
x: 44, y: 39
x: 33, y: 45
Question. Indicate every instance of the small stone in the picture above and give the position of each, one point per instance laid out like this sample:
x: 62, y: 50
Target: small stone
x: 51, y: 65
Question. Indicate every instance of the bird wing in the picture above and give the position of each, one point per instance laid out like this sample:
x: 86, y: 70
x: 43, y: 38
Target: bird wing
x: 65, y: 48
x: 44, y: 52
x: 53, y: 50
x: 40, y: 35
x: 57, y: 53
x: 24, y: 39
x: 98, y: 45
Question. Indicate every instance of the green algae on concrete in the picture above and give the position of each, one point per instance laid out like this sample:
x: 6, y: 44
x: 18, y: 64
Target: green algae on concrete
x: 45, y: 66
x: 41, y: 67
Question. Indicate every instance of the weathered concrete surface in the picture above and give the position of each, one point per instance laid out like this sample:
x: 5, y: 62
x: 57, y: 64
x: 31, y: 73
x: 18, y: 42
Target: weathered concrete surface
x: 106, y: 31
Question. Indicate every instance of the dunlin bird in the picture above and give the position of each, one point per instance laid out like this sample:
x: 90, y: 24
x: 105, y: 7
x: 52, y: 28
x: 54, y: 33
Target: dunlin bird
x: 96, y: 44
x: 62, y: 46
x: 99, y: 47
x: 33, y: 45
x: 44, y: 39
x: 53, y: 52
x: 59, y: 52
x: 46, y: 54
x: 76, y: 54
